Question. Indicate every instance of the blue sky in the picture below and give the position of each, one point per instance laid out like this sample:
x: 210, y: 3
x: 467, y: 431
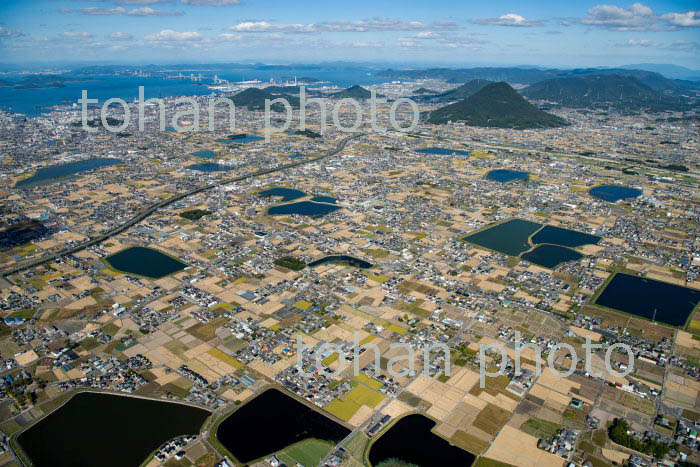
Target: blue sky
x: 545, y: 33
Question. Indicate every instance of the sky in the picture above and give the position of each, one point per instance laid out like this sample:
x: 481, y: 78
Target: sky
x: 557, y: 33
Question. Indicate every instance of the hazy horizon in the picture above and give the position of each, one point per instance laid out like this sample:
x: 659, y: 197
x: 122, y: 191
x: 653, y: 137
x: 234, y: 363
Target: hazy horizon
x: 545, y: 34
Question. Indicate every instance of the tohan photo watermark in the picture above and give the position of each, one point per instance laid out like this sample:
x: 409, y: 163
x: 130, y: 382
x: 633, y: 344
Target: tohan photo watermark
x: 408, y: 358
x: 192, y: 114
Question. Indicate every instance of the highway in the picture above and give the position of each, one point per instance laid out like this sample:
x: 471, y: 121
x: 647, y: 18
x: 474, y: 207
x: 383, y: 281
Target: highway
x: 155, y: 207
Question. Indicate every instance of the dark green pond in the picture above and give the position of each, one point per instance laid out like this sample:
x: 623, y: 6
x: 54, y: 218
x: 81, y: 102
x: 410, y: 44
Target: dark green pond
x: 506, y: 175
x: 145, y: 262
x: 411, y: 440
x: 640, y: 296
x: 509, y: 237
x: 107, y: 430
x: 550, y: 256
x: 343, y: 259
x: 287, y: 194
x: 271, y: 422
x: 614, y: 193
x: 304, y: 208
x: 564, y: 237
x: 56, y: 172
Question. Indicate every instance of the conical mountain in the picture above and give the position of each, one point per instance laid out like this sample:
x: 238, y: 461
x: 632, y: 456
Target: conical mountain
x: 354, y: 92
x: 496, y: 105
x: 254, y: 99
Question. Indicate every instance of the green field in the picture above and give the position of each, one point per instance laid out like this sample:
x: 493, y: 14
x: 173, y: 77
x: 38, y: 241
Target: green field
x: 362, y: 395
x: 308, y: 453
x: 369, y: 382
x: 540, y: 428
x: 344, y: 409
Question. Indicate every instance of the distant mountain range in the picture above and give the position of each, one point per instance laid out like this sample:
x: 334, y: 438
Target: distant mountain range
x: 35, y: 82
x: 496, y: 105
x: 527, y: 76
x: 602, y: 91
x: 669, y: 71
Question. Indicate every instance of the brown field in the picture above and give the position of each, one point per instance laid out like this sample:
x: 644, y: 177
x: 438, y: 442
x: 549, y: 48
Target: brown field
x: 635, y: 326
x: 469, y: 442
x: 491, y: 419
x: 629, y: 400
x: 517, y: 448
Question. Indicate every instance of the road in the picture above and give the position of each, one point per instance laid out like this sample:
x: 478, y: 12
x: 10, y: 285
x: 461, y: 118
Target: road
x: 155, y: 207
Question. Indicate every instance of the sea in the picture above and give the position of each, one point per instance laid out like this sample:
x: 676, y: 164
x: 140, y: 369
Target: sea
x: 35, y: 102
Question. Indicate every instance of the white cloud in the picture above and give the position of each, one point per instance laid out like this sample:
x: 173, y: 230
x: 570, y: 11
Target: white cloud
x: 9, y: 33
x: 373, y: 44
x: 509, y: 19
x: 120, y: 36
x: 381, y: 24
x: 147, y: 11
x: 143, y: 2
x: 76, y: 34
x: 639, y: 17
x: 264, y: 26
x: 640, y: 43
x: 371, y: 25
x: 144, y: 11
x: 169, y: 35
x: 635, y: 17
x: 691, y: 46
x: 689, y: 19
x: 211, y: 2
x: 228, y: 37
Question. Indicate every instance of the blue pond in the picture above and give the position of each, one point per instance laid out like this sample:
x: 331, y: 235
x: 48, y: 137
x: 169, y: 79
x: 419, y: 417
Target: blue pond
x: 510, y: 237
x: 552, y: 244
x: 304, y: 208
x: 443, y: 151
x: 550, y: 256
x: 324, y: 199
x: 564, y: 237
x: 244, y: 139
x: 209, y: 167
x: 145, y: 262
x: 204, y: 154
x: 53, y: 173
x: 284, y: 421
x: 296, y: 156
x: 506, y: 175
x: 648, y: 298
x: 412, y: 441
x: 613, y: 193
x: 287, y: 194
